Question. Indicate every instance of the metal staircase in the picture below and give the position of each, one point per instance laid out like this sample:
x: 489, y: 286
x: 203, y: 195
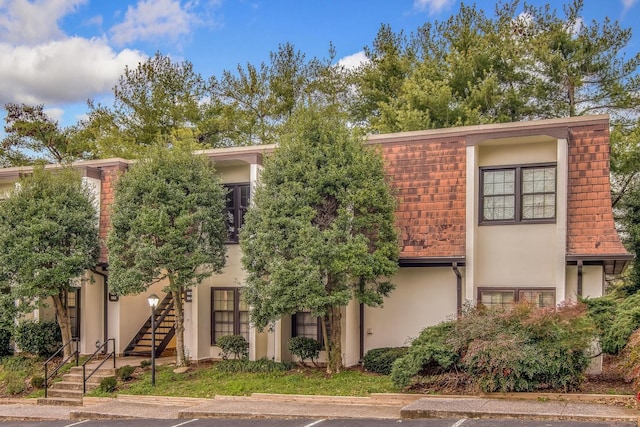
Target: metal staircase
x: 140, y: 345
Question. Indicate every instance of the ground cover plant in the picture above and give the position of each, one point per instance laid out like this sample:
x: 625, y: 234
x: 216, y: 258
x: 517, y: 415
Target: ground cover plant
x: 241, y: 377
x: 522, y: 348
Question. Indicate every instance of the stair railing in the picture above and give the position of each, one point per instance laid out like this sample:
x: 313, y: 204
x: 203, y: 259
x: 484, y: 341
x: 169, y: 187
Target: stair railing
x: 74, y: 353
x: 103, y: 349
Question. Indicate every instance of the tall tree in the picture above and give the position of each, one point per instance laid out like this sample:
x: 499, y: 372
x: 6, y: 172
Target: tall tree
x: 321, y: 230
x: 48, y: 238
x: 167, y: 225
x: 33, y: 135
x: 152, y: 102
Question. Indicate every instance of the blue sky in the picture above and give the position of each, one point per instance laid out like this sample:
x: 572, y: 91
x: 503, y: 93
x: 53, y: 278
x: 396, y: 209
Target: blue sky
x: 62, y: 52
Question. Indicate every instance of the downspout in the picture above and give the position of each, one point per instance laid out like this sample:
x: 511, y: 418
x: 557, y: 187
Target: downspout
x: 105, y: 306
x: 361, y: 332
x: 579, y: 278
x: 454, y: 265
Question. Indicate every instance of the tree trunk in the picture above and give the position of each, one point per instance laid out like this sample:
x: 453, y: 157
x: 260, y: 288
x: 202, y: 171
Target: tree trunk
x: 62, y: 317
x: 178, y: 309
x: 334, y: 355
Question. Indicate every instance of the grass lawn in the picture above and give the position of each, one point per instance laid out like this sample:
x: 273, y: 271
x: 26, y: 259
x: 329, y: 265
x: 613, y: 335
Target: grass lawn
x: 206, y: 382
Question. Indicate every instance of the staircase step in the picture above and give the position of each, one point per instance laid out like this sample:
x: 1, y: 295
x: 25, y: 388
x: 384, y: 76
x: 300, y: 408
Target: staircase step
x: 65, y: 394
x: 66, y: 385
x: 59, y: 401
x: 103, y: 371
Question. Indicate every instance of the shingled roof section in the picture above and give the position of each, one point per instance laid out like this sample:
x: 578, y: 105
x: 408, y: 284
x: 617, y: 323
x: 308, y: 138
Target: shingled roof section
x: 591, y: 229
x: 428, y: 177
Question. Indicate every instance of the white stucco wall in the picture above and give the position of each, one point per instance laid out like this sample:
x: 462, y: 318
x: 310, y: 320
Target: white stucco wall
x: 423, y: 296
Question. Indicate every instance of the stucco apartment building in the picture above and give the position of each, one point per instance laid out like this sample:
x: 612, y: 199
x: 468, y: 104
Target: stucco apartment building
x: 490, y: 214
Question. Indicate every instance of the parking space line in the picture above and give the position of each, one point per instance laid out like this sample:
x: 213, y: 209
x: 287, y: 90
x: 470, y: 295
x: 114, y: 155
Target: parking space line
x: 186, y: 422
x: 315, y: 423
x: 77, y: 424
x: 459, y: 422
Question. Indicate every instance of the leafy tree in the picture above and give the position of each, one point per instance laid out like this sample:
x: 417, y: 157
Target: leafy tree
x: 48, y: 238
x: 250, y: 105
x: 321, y: 230
x: 167, y: 225
x: 32, y: 135
x: 152, y: 103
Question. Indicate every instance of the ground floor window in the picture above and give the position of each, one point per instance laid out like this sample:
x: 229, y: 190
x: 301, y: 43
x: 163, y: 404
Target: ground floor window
x: 73, y: 306
x: 304, y: 324
x: 505, y: 297
x: 229, y: 313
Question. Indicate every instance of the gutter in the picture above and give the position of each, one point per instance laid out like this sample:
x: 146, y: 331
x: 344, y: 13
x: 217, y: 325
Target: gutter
x: 105, y: 306
x: 454, y: 265
x: 580, y: 264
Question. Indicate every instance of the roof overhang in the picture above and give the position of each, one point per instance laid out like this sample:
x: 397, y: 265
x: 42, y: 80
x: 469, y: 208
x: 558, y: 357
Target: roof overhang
x: 613, y: 264
x: 432, y: 262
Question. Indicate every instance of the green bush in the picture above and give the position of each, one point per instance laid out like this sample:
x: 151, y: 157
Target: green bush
x: 380, y: 360
x: 520, y: 349
x: 37, y: 381
x: 125, y: 372
x: 616, y: 319
x: 235, y: 345
x: 14, y: 382
x: 39, y: 338
x: 305, y: 348
x: 144, y: 363
x: 252, y: 366
x: 108, y: 384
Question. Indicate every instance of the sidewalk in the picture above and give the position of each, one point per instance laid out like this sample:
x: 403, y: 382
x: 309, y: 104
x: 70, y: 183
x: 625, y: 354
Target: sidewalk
x: 380, y: 406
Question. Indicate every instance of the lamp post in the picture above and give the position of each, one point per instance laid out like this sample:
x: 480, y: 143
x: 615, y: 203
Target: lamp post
x: 153, y: 303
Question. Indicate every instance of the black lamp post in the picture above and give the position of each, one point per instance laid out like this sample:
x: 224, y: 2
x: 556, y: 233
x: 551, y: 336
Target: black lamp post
x: 153, y: 303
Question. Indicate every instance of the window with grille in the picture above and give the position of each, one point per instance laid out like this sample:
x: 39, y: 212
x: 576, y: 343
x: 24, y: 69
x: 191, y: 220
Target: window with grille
x: 236, y: 205
x: 229, y: 314
x: 518, y: 194
x: 506, y: 297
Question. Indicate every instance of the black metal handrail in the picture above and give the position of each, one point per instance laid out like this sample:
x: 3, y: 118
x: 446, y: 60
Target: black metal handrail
x: 105, y: 346
x: 64, y: 361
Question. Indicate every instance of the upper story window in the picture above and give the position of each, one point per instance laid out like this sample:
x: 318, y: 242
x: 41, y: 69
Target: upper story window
x: 518, y: 194
x: 236, y: 205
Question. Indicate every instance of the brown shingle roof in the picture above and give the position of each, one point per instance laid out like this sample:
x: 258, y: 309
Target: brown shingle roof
x: 590, y: 229
x: 428, y: 177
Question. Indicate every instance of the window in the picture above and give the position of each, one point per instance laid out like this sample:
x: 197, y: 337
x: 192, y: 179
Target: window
x: 236, y: 204
x: 506, y: 297
x: 518, y: 194
x: 73, y: 298
x: 304, y: 324
x: 229, y: 313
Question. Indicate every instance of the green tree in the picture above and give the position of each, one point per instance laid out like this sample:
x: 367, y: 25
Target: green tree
x: 32, y: 135
x: 152, y: 103
x: 167, y: 224
x: 321, y: 230
x: 48, y: 238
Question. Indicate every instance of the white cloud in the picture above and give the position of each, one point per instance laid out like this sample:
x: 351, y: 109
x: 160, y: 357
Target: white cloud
x: 432, y: 6
x: 60, y: 71
x: 353, y: 61
x: 54, y: 113
x: 33, y: 21
x: 628, y: 4
x: 153, y: 19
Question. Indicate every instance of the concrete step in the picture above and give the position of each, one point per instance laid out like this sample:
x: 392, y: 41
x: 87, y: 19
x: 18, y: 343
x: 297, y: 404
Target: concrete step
x: 65, y: 394
x: 104, y: 371
x: 66, y: 385
x: 59, y: 401
x: 77, y: 378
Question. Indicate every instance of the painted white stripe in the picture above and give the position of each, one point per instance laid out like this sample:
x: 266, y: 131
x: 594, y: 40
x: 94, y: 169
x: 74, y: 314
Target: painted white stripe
x: 315, y: 423
x: 78, y: 423
x: 459, y: 422
x: 186, y: 422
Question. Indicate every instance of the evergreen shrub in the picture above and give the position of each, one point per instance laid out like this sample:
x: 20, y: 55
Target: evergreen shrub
x: 235, y: 345
x: 40, y: 338
x: 380, y: 360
